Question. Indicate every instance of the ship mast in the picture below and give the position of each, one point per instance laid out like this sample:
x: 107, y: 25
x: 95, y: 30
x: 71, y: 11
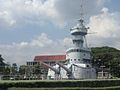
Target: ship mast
x: 81, y: 10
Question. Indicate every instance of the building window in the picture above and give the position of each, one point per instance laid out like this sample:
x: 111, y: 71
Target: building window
x: 78, y: 59
x: 74, y: 59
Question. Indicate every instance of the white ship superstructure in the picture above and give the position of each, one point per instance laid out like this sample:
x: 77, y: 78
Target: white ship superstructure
x: 78, y: 58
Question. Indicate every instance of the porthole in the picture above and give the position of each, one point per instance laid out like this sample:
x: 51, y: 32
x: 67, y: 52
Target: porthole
x: 87, y: 65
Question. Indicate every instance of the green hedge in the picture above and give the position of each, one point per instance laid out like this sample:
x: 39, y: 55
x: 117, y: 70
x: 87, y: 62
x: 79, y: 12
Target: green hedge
x: 105, y: 88
x: 59, y: 84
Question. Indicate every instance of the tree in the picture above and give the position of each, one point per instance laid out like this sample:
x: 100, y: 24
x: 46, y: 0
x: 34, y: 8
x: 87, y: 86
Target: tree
x: 2, y: 64
x: 108, y: 57
x: 7, y: 70
x: 14, y: 69
x: 22, y: 69
x: 115, y: 68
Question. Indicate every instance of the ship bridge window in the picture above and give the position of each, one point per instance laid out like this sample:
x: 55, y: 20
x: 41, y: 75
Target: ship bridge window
x: 74, y: 50
x: 77, y: 50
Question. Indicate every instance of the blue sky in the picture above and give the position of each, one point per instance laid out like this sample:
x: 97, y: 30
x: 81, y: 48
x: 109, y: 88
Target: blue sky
x: 37, y: 27
x: 113, y: 5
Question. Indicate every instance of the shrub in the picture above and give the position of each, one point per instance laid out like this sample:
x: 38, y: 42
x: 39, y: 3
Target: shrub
x: 60, y: 84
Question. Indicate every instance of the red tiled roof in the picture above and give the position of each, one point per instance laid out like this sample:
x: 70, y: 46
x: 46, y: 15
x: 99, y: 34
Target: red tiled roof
x: 50, y: 57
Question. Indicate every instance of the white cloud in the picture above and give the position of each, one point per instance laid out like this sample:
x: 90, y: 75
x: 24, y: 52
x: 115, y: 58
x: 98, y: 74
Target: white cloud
x: 27, y: 10
x: 41, y: 41
x: 67, y: 42
x: 6, y: 19
x: 25, y: 51
x: 106, y: 25
x: 57, y: 11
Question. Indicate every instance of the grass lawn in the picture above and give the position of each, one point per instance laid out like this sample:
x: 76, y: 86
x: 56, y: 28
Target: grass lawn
x: 105, y: 88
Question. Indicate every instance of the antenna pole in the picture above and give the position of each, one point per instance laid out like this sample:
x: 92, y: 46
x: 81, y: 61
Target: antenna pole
x: 81, y: 10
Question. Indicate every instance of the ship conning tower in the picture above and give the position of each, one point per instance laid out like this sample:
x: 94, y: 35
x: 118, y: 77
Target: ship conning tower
x: 79, y: 33
x: 79, y: 50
